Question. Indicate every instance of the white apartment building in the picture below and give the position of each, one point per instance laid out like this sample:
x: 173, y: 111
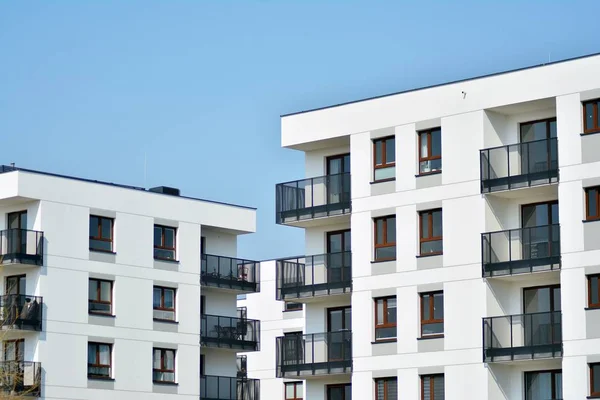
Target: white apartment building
x: 143, y: 258
x: 463, y: 263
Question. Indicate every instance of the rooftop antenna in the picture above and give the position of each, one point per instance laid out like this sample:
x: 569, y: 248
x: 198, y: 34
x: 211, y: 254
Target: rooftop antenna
x: 12, y: 164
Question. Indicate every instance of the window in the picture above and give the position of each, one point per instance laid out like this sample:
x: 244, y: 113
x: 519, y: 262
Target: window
x: 591, y: 122
x: 164, y: 242
x: 430, y: 151
x: 432, y: 314
x: 386, y: 389
x: 432, y: 387
x: 339, y: 392
x: 202, y: 365
x: 292, y: 306
x: 385, y: 318
x: 385, y: 238
x: 594, y: 379
x: 202, y: 304
x: 594, y: 291
x: 99, y: 360
x: 384, y: 159
x: 543, y: 385
x: 430, y: 223
x: 100, y: 296
x: 592, y: 203
x: 101, y: 233
x: 164, y: 303
x: 163, y: 369
x: 294, y: 391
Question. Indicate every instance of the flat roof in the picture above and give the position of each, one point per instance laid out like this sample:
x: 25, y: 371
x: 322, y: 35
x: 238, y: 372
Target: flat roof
x: 441, y: 84
x: 10, y: 168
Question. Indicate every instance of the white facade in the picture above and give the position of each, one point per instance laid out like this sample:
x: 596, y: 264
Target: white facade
x: 475, y: 114
x: 60, y: 208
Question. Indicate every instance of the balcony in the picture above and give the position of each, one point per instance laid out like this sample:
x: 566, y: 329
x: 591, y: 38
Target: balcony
x: 519, y: 165
x: 308, y: 277
x: 21, y: 312
x: 230, y: 332
x: 21, y: 246
x: 21, y: 378
x: 230, y: 273
x: 521, y: 251
x: 228, y: 388
x: 522, y: 337
x: 313, y: 198
x: 302, y: 356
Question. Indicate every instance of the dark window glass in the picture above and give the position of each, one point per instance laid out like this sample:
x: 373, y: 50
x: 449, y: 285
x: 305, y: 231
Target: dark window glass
x: 592, y: 203
x: 430, y: 151
x: 543, y: 385
x: 384, y: 159
x: 432, y: 313
x: 164, y: 242
x: 386, y: 389
x: 99, y: 360
x: 99, y: 296
x: 431, y: 241
x: 292, y: 306
x: 594, y: 291
x: 164, y: 303
x: 163, y: 369
x: 385, y: 318
x: 385, y: 238
x: 591, y: 122
x: 595, y: 379
x: 101, y: 233
x: 432, y: 387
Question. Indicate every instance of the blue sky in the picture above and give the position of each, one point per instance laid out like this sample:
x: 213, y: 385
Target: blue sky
x: 88, y: 87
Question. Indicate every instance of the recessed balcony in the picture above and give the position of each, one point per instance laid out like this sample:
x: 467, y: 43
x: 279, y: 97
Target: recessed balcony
x: 520, y: 165
x: 314, y: 354
x: 230, y: 273
x: 228, y: 388
x: 310, y: 278
x: 521, y: 251
x: 21, y: 312
x: 21, y: 246
x: 241, y: 334
x: 21, y: 378
x: 522, y: 337
x: 306, y: 202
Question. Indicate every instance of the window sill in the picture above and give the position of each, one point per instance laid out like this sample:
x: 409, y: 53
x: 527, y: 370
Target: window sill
x: 585, y: 221
x: 428, y: 173
x: 593, y: 397
x: 165, y: 383
x: 289, y: 311
x: 594, y: 132
x: 430, y: 255
x: 381, y: 341
x: 383, y: 180
x: 103, y: 251
x: 382, y: 261
x: 441, y: 336
x: 98, y: 314
x: 169, y: 260
x: 166, y: 321
x: 99, y: 378
x: 592, y: 308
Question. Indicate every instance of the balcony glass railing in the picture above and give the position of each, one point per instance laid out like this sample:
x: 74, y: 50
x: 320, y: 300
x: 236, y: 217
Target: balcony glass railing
x: 313, y: 198
x: 18, y: 311
x: 314, y: 354
x: 230, y: 332
x: 21, y: 246
x: 310, y: 276
x: 21, y: 378
x: 519, y: 165
x: 230, y: 273
x: 520, y: 251
x: 522, y: 336
x: 228, y: 388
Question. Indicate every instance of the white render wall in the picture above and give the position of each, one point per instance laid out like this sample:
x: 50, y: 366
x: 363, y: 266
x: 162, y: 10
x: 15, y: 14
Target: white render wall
x: 61, y: 207
x: 488, y: 115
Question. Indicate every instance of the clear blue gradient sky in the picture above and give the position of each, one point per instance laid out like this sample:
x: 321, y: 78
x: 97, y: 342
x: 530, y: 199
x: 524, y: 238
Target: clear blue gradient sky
x: 88, y: 87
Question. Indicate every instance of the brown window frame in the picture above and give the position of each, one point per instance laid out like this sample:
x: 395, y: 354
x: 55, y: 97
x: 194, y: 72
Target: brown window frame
x: 16, y: 342
x: 98, y: 296
x: 589, y: 279
x: 385, y: 242
x: 162, y: 241
x: 595, y: 117
x: 384, y: 161
x: 592, y: 393
x: 385, y: 323
x: 295, y: 385
x: 99, y: 233
x: 385, y: 387
x: 589, y: 217
x: 162, y: 364
x: 431, y: 377
x: 429, y: 157
x: 429, y: 214
x: 97, y: 364
x: 432, y: 320
x: 162, y: 301
x: 296, y: 307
